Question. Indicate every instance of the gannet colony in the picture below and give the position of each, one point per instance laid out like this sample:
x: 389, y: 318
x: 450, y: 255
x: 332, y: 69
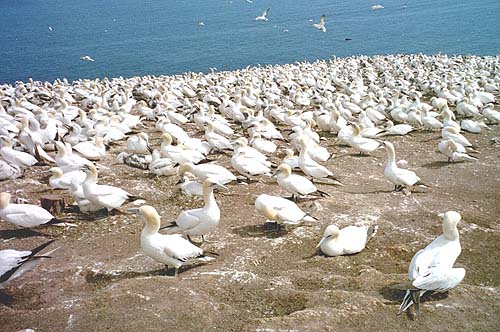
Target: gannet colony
x: 229, y: 170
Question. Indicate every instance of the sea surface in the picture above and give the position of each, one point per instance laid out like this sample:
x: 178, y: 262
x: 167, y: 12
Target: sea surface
x: 162, y: 37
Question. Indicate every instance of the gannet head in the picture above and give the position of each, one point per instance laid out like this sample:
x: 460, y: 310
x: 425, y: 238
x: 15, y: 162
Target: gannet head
x: 166, y: 138
x: 90, y: 170
x: 285, y: 169
x: 451, y: 130
x: 150, y: 215
x: 289, y: 153
x: 57, y: 172
x: 450, y: 221
x: 186, y: 167
x: 4, y: 200
x: 331, y: 232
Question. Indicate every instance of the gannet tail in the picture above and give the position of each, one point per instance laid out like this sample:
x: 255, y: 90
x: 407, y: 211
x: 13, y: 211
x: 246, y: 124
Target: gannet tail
x: 412, y: 296
x: 172, y: 227
x: 372, y: 230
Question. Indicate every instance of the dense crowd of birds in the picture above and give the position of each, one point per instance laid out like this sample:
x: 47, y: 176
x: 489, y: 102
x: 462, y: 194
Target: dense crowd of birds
x: 252, y: 115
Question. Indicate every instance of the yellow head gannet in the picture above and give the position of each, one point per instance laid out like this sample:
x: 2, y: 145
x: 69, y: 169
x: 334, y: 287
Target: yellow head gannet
x: 454, y: 151
x: 345, y: 241
x: 92, y: 150
x: 14, y: 263
x: 279, y: 209
x: 171, y: 250
x: 23, y: 215
x: 201, y: 221
x: 431, y: 269
x: 139, y: 144
x: 311, y: 167
x: 360, y: 143
x: 18, y: 158
x: 108, y: 197
x: 217, y: 141
x: 295, y: 184
x: 60, y: 180
x: 204, y: 171
x: 400, y: 177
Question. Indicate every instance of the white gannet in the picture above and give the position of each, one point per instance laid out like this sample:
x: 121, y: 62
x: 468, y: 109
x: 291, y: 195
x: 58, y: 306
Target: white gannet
x: 108, y: 197
x: 311, y: 167
x: 179, y: 153
x: 87, y: 58
x: 399, y: 129
x: 430, y: 122
x: 472, y: 126
x: 263, y: 17
x: 14, y: 263
x: 453, y: 134
x: 139, y: 144
x: 360, y: 143
x: 92, y: 150
x: 431, y: 269
x: 376, y: 7
x: 66, y: 160
x: 9, y: 171
x: 162, y: 166
x: 23, y: 215
x: 18, y: 158
x: 201, y: 221
x: 60, y: 180
x: 400, y: 177
x: 217, y: 141
x: 204, y: 171
x: 290, y: 159
x: 295, y: 184
x: 279, y: 209
x: 249, y: 166
x: 188, y: 186
x: 169, y: 249
x: 262, y: 145
x: 454, y: 151
x: 491, y: 115
x: 346, y: 241
x: 321, y: 24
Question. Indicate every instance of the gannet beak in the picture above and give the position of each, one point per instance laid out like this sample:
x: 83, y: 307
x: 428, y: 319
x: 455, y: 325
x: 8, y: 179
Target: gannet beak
x: 323, y: 239
x: 221, y: 186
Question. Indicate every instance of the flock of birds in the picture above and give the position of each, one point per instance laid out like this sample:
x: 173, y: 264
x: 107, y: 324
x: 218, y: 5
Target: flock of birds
x: 252, y: 115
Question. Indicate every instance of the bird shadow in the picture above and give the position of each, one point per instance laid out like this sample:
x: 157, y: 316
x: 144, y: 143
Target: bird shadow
x: 436, y: 164
x: 395, y: 293
x: 268, y: 230
x: 6, y: 299
x: 19, y: 233
x: 103, y: 278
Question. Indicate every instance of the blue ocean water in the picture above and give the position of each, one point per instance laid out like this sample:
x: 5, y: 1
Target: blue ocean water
x: 132, y: 37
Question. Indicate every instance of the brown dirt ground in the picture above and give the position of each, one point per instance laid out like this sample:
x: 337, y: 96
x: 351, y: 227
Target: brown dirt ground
x: 99, y: 280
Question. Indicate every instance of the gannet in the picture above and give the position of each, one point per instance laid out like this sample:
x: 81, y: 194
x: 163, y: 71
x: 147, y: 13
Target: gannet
x: 108, y: 197
x: 139, y: 144
x: 491, y: 115
x: 321, y: 24
x: 295, y: 184
x: 430, y: 122
x: 453, y: 134
x: 18, y: 158
x: 217, y: 141
x: 23, y: 215
x: 92, y: 150
x: 162, y: 166
x: 280, y: 209
x: 263, y: 17
x: 188, y: 186
x: 346, y: 241
x: 179, y: 153
x: 201, y: 221
x: 311, y: 167
x: 248, y: 165
x: 60, y: 180
x: 204, y: 171
x: 400, y: 177
x: 290, y: 159
x: 399, y: 129
x: 171, y: 250
x: 375, y: 7
x: 9, y: 171
x: 454, y: 151
x: 431, y: 269
x: 66, y: 160
x: 262, y: 145
x: 360, y: 143
x: 87, y: 58
x: 472, y: 126
x: 14, y: 263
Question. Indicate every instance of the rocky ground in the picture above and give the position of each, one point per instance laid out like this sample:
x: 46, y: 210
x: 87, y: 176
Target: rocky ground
x: 99, y: 280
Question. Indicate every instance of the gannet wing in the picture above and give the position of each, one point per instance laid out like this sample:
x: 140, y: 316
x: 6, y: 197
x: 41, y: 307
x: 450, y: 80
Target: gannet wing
x: 266, y: 12
x: 179, y: 248
x: 188, y: 219
x: 440, y: 278
x: 322, y: 20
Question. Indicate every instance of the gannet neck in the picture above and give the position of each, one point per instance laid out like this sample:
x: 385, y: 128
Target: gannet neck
x: 208, y: 195
x: 152, y: 219
x: 391, y: 154
x: 4, y: 200
x: 450, y: 221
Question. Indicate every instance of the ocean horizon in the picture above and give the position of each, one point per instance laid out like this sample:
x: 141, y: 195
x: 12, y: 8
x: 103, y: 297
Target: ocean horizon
x: 45, y: 40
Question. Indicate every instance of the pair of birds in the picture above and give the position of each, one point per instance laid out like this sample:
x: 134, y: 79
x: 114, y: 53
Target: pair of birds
x: 431, y: 269
x: 173, y: 249
x: 320, y: 26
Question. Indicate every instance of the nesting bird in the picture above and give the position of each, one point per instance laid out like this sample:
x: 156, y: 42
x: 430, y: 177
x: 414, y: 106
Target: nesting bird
x: 346, y: 241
